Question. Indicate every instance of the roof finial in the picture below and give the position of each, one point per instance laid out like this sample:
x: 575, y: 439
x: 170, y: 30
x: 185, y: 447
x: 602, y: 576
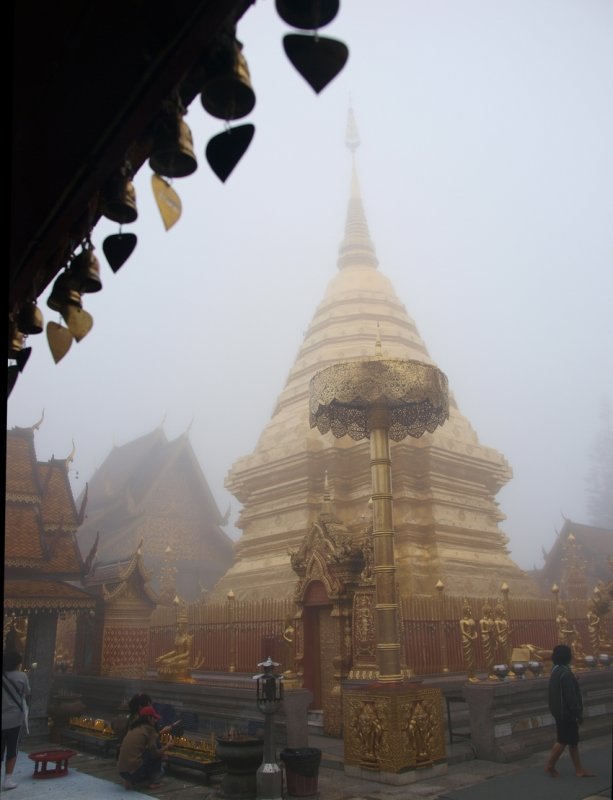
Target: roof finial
x: 37, y: 425
x: 70, y: 458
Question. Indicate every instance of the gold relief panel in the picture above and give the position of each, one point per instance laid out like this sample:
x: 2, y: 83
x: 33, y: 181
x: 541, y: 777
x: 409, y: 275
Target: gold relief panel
x: 422, y: 725
x: 364, y: 644
x: 393, y: 729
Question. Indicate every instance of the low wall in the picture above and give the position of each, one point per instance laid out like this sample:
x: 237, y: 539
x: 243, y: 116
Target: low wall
x: 210, y: 704
x: 511, y: 719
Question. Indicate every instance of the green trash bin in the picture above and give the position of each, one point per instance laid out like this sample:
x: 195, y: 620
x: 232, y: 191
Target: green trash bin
x: 301, y: 770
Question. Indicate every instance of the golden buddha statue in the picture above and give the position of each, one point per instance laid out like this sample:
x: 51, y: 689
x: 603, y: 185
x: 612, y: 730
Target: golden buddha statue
x: 177, y: 662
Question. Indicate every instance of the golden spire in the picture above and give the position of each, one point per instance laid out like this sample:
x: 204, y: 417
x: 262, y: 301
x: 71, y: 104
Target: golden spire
x: 356, y: 248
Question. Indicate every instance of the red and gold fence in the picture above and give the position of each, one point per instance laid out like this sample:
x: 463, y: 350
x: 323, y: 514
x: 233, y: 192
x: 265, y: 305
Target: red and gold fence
x: 236, y: 635
x: 233, y: 636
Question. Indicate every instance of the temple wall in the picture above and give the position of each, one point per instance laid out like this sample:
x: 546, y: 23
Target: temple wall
x: 510, y: 720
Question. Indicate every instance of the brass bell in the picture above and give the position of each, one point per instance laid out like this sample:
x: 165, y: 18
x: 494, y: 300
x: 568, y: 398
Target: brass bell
x: 86, y: 271
x: 173, y: 154
x: 119, y: 197
x: 64, y: 292
x: 227, y: 93
x: 307, y: 15
x: 16, y: 340
x: 30, y: 319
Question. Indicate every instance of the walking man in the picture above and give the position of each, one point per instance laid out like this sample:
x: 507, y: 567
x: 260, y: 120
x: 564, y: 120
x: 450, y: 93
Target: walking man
x: 566, y: 706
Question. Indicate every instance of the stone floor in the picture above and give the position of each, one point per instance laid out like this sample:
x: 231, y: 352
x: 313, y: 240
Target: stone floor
x: 94, y: 777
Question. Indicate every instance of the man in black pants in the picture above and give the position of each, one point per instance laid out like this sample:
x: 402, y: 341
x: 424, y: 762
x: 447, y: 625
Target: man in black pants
x: 566, y: 706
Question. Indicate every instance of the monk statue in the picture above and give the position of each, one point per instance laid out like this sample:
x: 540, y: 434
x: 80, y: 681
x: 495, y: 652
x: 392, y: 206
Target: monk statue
x: 487, y: 629
x: 598, y: 608
x: 568, y: 634
x: 468, y: 629
x: 503, y: 635
x: 177, y: 661
x: 289, y: 634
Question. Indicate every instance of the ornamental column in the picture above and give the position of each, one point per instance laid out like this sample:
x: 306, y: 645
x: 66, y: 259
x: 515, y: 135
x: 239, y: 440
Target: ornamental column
x: 391, y: 726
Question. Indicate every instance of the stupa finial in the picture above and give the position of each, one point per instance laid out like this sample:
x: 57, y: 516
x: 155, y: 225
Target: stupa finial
x: 352, y: 137
x: 356, y: 248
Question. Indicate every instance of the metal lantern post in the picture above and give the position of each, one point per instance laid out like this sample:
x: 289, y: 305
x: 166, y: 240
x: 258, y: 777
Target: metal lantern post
x: 269, y: 698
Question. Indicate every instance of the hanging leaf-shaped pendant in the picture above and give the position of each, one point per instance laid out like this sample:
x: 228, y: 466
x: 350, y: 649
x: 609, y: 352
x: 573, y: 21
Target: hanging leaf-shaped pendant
x: 317, y: 58
x: 79, y: 321
x: 225, y: 150
x: 59, y: 339
x: 168, y: 201
x: 118, y: 247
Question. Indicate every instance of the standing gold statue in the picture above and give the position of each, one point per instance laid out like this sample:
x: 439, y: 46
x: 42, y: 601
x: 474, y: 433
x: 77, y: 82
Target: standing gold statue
x: 289, y: 634
x: 487, y: 629
x: 468, y: 629
x: 597, y: 609
x: 503, y: 636
x: 568, y: 634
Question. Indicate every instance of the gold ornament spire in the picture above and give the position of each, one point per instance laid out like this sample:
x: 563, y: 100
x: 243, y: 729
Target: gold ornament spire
x: 357, y: 249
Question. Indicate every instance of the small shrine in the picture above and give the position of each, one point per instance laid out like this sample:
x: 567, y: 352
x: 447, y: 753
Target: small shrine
x: 116, y: 641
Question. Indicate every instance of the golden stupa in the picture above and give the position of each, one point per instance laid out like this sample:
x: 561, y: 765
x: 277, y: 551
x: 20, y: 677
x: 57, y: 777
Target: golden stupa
x: 446, y: 516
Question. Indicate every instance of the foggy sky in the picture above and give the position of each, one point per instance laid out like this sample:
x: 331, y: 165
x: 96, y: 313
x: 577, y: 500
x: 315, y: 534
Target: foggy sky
x: 486, y: 169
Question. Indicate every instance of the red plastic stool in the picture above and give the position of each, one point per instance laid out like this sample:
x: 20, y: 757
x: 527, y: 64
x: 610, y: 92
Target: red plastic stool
x: 58, y: 757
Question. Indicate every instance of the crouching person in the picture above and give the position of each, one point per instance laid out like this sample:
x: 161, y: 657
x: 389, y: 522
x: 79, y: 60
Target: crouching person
x: 140, y: 755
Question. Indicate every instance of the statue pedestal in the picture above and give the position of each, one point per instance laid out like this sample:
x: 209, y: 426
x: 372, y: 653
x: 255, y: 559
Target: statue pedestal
x: 393, y: 732
x: 176, y: 674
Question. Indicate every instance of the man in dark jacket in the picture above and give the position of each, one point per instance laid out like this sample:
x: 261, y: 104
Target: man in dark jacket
x: 566, y: 707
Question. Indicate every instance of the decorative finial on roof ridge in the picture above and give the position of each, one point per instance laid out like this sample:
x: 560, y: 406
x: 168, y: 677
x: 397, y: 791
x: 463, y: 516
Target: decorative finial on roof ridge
x: 37, y: 425
x: 70, y: 457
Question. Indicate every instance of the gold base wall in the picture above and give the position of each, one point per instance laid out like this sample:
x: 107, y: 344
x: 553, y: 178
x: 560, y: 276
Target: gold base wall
x: 393, y: 729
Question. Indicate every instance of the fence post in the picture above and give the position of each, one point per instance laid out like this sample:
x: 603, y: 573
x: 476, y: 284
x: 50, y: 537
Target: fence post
x: 440, y: 588
x: 232, y: 631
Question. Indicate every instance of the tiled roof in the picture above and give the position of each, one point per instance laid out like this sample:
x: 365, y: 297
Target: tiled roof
x: 123, y: 466
x: 599, y: 541
x: 45, y: 594
x: 57, y: 504
x: 21, y: 474
x: 40, y: 514
x: 23, y: 539
x: 64, y: 556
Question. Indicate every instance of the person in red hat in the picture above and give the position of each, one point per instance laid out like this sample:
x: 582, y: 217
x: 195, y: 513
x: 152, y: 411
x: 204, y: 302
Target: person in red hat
x: 140, y: 755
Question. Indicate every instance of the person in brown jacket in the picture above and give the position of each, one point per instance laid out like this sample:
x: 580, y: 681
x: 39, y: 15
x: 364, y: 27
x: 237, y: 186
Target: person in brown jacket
x: 140, y: 756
